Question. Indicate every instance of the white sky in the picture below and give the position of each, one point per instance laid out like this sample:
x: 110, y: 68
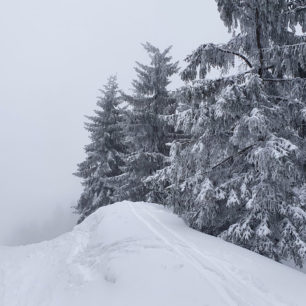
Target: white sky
x: 54, y: 56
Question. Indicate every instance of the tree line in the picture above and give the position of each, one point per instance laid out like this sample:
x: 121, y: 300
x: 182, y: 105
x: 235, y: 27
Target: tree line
x: 227, y: 154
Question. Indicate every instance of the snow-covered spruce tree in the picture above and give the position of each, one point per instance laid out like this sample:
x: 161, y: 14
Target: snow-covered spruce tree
x: 148, y: 122
x: 102, y: 171
x: 242, y: 175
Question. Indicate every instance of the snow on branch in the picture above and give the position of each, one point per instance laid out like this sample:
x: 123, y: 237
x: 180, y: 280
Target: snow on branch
x: 296, y: 9
x: 285, y: 46
x: 209, y: 56
x: 201, y: 89
x: 284, y: 80
x: 237, y: 54
x: 233, y: 156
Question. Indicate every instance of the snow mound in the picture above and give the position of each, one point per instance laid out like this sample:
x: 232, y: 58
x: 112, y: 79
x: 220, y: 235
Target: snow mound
x: 140, y: 254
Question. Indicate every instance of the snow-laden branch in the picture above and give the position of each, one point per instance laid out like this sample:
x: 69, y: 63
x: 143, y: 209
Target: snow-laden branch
x: 285, y: 46
x: 296, y: 9
x: 284, y: 80
x: 210, y: 56
x: 233, y: 156
x: 237, y: 54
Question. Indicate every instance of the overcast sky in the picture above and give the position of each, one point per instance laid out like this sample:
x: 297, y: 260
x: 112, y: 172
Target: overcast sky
x: 54, y: 56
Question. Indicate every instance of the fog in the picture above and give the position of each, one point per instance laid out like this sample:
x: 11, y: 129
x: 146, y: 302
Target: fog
x: 54, y: 56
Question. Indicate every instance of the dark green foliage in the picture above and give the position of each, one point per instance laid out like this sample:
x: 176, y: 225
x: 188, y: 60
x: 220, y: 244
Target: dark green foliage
x: 229, y: 155
x: 242, y: 174
x: 147, y: 122
x: 102, y: 170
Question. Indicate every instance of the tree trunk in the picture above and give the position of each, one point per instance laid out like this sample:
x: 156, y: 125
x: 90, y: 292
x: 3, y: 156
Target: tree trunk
x: 258, y: 40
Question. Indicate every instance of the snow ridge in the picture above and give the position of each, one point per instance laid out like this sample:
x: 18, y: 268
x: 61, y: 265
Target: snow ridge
x: 135, y: 254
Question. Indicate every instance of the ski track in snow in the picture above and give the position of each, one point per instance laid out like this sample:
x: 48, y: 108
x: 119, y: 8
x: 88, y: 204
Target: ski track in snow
x: 183, y: 253
x: 208, y: 263
x: 203, y: 265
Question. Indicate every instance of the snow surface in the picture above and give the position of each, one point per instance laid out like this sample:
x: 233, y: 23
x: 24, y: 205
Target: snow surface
x: 140, y: 254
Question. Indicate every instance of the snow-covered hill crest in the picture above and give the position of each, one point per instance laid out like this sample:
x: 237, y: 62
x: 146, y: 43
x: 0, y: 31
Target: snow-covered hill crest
x: 136, y: 254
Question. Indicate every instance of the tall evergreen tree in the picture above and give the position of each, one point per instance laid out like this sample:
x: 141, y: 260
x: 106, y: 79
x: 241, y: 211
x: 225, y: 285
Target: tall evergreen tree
x: 102, y: 171
x: 242, y: 175
x: 148, y: 121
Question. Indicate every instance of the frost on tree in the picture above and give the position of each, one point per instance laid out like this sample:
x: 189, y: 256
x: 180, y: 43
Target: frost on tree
x: 148, y: 125
x: 103, y: 169
x: 242, y: 174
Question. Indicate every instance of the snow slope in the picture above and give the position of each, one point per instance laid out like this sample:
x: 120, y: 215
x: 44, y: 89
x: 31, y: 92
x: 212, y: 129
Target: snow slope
x: 140, y: 254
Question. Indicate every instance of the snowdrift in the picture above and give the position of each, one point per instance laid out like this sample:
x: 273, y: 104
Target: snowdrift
x: 140, y: 254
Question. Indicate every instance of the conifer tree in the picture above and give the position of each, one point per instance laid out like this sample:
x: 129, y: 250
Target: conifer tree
x: 242, y: 175
x: 102, y: 171
x: 148, y: 121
